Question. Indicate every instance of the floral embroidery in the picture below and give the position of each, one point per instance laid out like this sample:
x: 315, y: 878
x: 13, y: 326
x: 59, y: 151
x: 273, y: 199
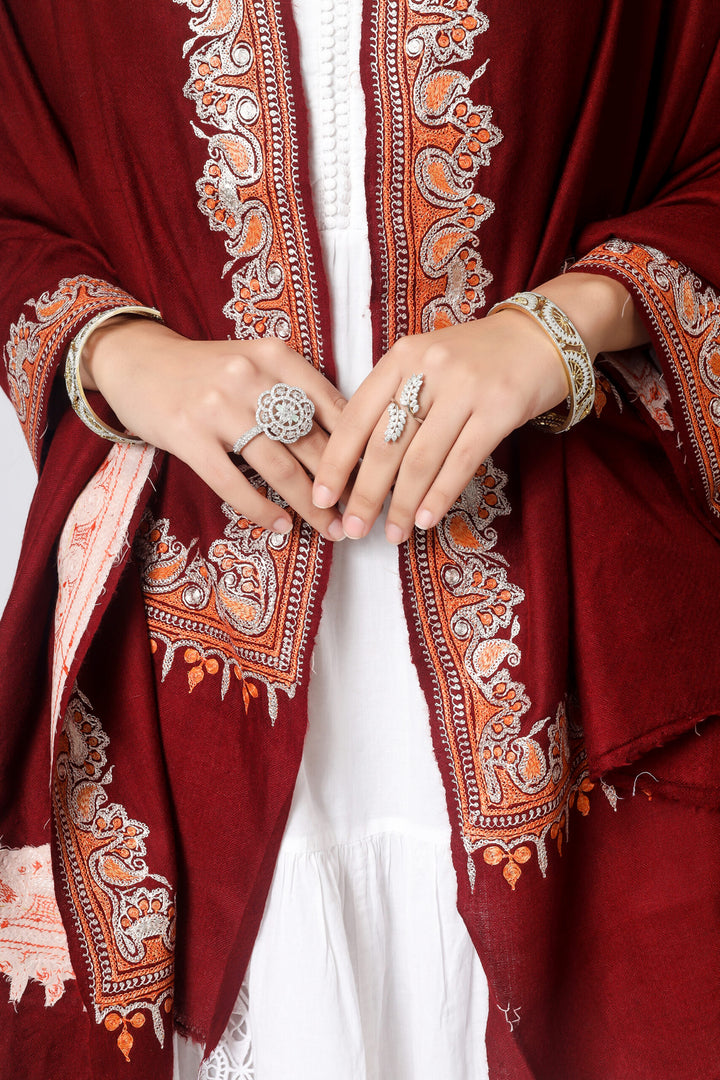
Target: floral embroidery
x: 242, y: 608
x: 240, y: 85
x: 33, y: 944
x: 124, y: 915
x: 34, y: 346
x: 642, y: 375
x: 512, y: 789
x: 685, y: 314
x: 430, y: 153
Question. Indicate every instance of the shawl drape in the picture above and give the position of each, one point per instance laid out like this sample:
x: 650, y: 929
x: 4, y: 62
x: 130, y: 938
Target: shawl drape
x: 562, y: 617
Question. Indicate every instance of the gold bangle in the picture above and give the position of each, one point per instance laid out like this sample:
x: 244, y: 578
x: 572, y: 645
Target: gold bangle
x: 75, y: 389
x: 573, y: 353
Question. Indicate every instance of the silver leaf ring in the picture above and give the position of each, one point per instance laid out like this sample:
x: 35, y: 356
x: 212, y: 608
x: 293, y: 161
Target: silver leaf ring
x: 406, y: 405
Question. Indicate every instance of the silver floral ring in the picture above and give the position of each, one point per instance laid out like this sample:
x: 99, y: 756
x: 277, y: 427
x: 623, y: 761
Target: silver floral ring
x: 284, y: 413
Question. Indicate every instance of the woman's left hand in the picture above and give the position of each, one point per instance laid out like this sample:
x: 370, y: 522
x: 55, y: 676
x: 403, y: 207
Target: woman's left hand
x: 481, y: 380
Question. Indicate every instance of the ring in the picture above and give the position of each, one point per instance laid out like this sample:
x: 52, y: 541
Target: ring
x: 284, y: 413
x: 398, y: 411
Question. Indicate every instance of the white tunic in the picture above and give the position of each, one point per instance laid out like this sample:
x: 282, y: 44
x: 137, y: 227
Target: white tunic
x: 362, y: 969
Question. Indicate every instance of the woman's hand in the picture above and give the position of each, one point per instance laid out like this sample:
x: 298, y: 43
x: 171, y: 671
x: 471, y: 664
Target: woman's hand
x: 482, y: 380
x: 196, y: 398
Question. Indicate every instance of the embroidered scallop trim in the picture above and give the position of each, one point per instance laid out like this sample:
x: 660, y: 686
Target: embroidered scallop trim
x: 684, y: 312
x: 124, y: 915
x: 32, y: 352
x: 513, y: 789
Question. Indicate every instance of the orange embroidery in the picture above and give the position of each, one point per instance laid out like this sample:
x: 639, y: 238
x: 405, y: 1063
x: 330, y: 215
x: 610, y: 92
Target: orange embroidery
x: 243, y: 608
x: 245, y: 605
x: 240, y: 85
x: 685, y: 314
x: 34, y: 347
x: 432, y: 144
x: 513, y: 787
x: 124, y: 915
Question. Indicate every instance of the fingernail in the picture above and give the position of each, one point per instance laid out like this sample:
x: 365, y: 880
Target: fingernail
x: 322, y: 497
x: 335, y: 530
x: 423, y: 519
x: 282, y: 526
x: 394, y: 533
x: 354, y: 527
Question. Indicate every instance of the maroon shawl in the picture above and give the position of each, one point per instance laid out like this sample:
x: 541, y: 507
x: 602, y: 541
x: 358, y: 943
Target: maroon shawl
x: 562, y: 617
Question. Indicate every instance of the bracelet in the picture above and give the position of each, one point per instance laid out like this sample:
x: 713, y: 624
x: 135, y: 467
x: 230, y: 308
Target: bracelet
x: 75, y: 389
x: 573, y: 353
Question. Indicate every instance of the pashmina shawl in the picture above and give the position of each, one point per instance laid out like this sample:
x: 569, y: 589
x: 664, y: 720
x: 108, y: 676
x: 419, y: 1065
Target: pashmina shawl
x: 562, y: 617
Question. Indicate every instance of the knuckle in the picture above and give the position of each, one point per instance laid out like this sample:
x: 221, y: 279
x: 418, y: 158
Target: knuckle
x: 238, y: 368
x: 362, y: 502
x: 436, y: 356
x: 271, y: 349
x: 337, y: 400
x: 403, y: 347
x: 208, y: 401
x: 467, y: 459
x: 283, y: 468
x: 416, y: 462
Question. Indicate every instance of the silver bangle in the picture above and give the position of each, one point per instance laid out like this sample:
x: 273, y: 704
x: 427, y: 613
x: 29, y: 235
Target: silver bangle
x: 573, y: 353
x: 75, y: 389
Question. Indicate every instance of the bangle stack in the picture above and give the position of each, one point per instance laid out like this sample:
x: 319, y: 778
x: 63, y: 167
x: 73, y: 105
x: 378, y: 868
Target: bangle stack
x: 573, y: 353
x: 75, y: 390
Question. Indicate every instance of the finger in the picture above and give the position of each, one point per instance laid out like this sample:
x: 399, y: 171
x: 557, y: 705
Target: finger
x: 329, y: 403
x: 349, y: 438
x: 421, y: 463
x: 211, y: 464
x: 376, y: 475
x: 283, y: 473
x: 274, y: 462
x: 468, y: 452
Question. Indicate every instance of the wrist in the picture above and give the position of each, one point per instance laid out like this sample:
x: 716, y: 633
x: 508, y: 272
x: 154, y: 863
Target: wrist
x: 601, y: 309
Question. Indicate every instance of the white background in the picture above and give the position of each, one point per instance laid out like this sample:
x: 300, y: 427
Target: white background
x: 17, y: 483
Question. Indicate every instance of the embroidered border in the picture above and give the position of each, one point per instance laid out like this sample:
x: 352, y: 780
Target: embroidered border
x: 240, y: 84
x: 242, y: 607
x: 32, y: 352
x: 512, y: 790
x: 124, y: 915
x: 33, y: 944
x: 684, y: 312
x: 430, y: 150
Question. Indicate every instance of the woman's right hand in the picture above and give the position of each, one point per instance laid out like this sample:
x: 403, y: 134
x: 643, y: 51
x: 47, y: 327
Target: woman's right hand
x: 196, y: 398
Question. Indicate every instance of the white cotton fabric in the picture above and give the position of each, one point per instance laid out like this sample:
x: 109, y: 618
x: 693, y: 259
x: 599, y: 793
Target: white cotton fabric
x: 362, y: 969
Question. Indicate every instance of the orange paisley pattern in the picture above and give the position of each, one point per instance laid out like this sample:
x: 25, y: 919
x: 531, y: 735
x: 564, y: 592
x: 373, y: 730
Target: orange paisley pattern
x: 512, y: 786
x: 124, y: 914
x: 238, y: 610
x: 240, y: 85
x: 431, y: 145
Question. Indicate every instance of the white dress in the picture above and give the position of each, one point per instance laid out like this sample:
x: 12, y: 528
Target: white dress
x: 362, y: 968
